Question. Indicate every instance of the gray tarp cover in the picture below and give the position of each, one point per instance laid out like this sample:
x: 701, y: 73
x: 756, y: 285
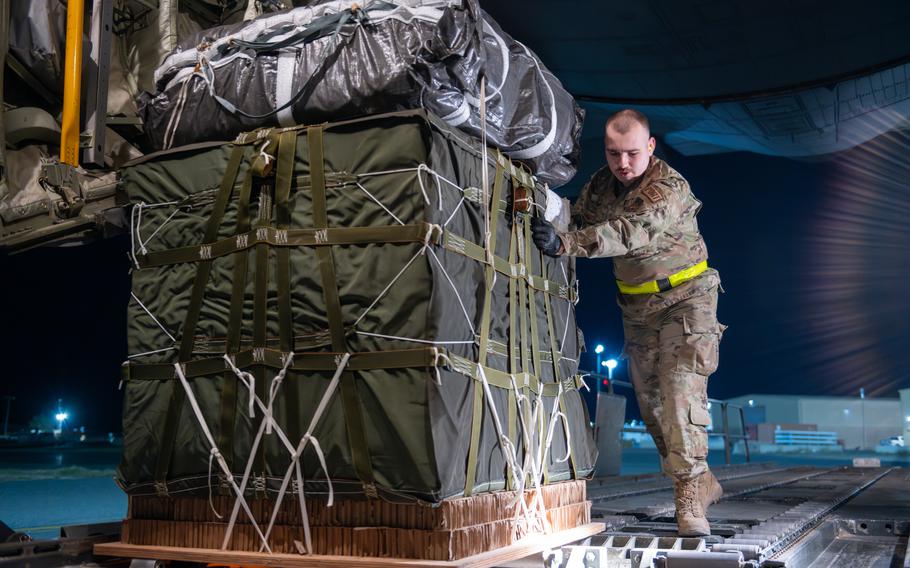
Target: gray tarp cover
x: 325, y: 62
x: 396, y: 299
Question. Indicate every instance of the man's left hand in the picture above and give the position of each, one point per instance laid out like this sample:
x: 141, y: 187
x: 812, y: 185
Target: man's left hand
x: 545, y: 237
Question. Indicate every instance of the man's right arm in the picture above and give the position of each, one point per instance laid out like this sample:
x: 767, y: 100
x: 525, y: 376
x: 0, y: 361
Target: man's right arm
x: 634, y: 229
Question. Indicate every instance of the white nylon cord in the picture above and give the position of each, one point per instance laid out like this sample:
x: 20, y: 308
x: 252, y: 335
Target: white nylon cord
x: 150, y: 352
x: 485, y: 174
x: 155, y: 232
x: 247, y: 379
x: 457, y: 295
x: 454, y: 211
x: 267, y: 420
x: 427, y: 341
x: 295, y: 458
x: 215, y: 451
x: 273, y: 390
x: 151, y: 315
x: 386, y: 209
x: 435, y: 174
x: 389, y: 285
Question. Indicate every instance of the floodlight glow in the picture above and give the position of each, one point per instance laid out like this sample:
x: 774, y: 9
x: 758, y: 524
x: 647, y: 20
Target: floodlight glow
x: 61, y: 416
x: 709, y: 406
x: 599, y: 349
x: 751, y: 402
x: 610, y: 364
x: 907, y: 418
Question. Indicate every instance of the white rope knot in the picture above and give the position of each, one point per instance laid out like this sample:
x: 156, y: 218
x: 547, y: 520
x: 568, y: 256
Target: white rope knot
x: 246, y: 378
x: 139, y: 207
x: 288, y: 360
x: 432, y: 229
x: 439, y: 355
x: 423, y: 190
x: 265, y: 155
x: 583, y: 382
x: 213, y: 455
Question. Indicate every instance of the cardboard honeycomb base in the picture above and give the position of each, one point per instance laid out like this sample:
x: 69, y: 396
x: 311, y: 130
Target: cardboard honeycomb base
x: 452, y: 530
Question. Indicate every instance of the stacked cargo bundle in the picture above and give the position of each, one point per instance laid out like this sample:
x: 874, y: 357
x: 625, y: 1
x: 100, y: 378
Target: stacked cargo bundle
x: 345, y: 342
x: 333, y: 60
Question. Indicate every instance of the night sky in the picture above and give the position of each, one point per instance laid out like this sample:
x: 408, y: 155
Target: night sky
x: 814, y: 257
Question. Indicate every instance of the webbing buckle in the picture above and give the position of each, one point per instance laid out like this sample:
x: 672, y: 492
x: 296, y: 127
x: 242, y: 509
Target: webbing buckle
x: 369, y: 489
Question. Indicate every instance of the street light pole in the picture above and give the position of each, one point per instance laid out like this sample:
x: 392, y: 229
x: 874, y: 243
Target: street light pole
x: 610, y: 364
x: 9, y: 399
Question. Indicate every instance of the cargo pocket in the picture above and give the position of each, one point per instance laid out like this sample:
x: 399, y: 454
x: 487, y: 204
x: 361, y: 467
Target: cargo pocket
x: 699, y: 415
x: 700, y: 349
x: 700, y: 419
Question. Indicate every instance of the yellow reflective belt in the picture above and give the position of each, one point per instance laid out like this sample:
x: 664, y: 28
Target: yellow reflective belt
x: 673, y: 281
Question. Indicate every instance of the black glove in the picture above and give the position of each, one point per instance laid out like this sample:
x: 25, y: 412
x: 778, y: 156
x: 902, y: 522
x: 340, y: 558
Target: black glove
x: 545, y: 236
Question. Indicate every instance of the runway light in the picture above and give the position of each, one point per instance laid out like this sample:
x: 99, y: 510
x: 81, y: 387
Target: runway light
x: 599, y: 349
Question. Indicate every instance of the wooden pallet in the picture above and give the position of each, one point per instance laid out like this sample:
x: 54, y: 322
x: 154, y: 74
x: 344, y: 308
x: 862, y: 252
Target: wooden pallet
x: 531, y: 545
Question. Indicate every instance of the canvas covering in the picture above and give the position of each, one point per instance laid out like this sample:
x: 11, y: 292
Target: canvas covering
x: 417, y: 304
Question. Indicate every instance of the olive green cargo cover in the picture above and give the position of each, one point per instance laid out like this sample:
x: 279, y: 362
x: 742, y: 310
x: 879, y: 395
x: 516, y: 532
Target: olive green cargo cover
x: 290, y: 248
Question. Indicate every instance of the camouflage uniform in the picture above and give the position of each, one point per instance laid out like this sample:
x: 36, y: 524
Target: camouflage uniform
x: 672, y: 337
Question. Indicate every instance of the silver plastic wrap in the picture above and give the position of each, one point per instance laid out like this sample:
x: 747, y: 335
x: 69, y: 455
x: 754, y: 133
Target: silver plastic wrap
x: 329, y: 61
x: 37, y: 38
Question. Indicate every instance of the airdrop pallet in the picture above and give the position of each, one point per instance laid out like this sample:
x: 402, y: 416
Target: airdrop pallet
x: 531, y: 545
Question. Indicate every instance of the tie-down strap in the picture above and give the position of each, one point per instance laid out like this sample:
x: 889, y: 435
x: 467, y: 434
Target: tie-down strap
x: 416, y: 233
x: 363, y: 361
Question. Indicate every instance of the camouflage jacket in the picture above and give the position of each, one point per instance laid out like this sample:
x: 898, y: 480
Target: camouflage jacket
x: 649, y: 228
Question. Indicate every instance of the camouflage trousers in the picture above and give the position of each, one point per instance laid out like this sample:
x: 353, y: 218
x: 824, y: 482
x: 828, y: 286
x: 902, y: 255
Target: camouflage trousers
x: 672, y: 343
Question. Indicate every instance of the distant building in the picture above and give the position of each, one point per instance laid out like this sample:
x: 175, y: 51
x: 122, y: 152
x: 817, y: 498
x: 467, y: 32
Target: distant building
x: 905, y: 412
x: 859, y: 422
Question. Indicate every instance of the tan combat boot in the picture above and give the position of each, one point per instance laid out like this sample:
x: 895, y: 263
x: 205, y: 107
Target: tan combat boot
x: 709, y: 490
x: 690, y: 514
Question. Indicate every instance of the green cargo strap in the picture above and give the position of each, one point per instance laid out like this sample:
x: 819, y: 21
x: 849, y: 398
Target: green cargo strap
x: 291, y: 238
x: 272, y: 358
x: 503, y: 380
x: 462, y: 246
x: 532, y: 302
x: 555, y: 353
x: 255, y: 136
x: 287, y: 153
x: 235, y: 324
x: 513, y: 341
x: 203, y: 271
x: 284, y: 177
x: 532, y: 315
x: 489, y: 274
x: 261, y: 312
x: 350, y: 400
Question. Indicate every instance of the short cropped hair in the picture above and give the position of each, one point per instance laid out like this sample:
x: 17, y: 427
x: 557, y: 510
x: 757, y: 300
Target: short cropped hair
x: 623, y: 120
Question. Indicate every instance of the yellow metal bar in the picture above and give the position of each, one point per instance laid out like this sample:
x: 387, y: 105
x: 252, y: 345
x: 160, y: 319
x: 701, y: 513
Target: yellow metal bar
x: 72, y: 83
